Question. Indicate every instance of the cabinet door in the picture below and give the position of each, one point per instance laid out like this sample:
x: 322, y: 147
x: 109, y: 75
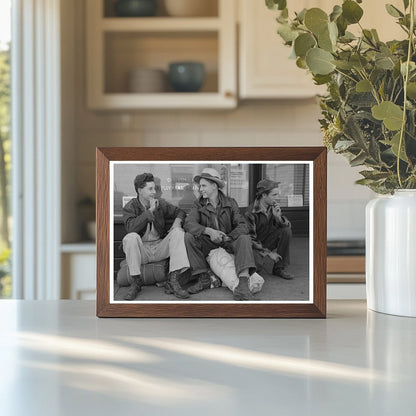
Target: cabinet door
x: 266, y: 71
x: 78, y: 276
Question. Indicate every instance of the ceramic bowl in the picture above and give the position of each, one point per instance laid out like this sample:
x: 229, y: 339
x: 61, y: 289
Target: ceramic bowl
x: 135, y: 8
x: 186, y: 76
x: 147, y: 80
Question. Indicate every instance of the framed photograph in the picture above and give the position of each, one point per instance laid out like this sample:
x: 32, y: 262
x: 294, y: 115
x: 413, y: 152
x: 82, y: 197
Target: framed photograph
x: 211, y: 232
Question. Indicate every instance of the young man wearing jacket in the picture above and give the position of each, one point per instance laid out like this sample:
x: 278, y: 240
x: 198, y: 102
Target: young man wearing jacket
x: 215, y: 221
x: 149, y: 238
x: 270, y: 230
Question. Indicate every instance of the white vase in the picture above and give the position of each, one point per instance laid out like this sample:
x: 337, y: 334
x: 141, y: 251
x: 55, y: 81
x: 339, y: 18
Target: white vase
x: 391, y: 253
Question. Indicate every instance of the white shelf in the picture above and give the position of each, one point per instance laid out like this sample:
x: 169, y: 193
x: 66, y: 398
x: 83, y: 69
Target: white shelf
x: 81, y: 247
x: 163, y: 100
x: 160, y: 24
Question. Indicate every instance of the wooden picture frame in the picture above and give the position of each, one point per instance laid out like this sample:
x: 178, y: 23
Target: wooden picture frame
x: 110, y: 161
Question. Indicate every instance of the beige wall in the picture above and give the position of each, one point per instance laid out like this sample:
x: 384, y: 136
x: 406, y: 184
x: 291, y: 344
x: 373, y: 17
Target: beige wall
x: 253, y: 123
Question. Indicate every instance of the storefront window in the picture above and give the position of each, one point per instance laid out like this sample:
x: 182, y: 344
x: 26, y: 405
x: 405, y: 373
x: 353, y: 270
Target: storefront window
x: 294, y: 183
x: 174, y: 182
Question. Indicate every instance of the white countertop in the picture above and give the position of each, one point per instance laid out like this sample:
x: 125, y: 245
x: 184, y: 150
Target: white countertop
x: 57, y: 358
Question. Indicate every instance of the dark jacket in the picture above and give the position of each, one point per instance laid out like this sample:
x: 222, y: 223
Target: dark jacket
x: 136, y: 217
x: 203, y: 215
x: 262, y: 228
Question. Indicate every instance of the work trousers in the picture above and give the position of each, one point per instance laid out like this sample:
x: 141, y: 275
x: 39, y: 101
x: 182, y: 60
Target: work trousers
x: 139, y: 252
x: 279, y: 242
x: 199, y: 247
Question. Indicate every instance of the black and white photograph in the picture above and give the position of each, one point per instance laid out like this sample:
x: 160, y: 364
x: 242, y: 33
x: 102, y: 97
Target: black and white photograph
x: 211, y: 231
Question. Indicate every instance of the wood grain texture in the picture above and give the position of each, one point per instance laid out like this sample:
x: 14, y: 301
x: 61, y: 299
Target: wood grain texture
x: 346, y: 264
x: 317, y: 309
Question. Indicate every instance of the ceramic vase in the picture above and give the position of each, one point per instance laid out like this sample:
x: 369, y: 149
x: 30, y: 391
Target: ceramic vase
x: 391, y: 253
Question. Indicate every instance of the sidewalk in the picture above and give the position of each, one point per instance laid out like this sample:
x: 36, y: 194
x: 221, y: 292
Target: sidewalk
x: 274, y: 288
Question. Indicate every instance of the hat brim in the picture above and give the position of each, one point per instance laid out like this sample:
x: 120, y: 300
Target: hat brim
x: 219, y: 182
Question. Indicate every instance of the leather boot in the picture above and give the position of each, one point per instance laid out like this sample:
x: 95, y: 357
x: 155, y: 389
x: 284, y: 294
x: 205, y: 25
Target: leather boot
x: 281, y: 272
x: 203, y: 282
x: 242, y: 291
x: 176, y: 287
x: 168, y: 289
x: 135, y: 288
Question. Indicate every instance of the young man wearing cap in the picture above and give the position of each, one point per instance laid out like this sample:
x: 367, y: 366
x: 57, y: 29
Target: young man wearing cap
x: 270, y: 230
x: 215, y: 221
x: 149, y: 239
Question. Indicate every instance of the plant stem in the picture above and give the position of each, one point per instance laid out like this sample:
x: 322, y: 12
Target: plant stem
x: 373, y: 88
x: 405, y: 81
x: 346, y: 75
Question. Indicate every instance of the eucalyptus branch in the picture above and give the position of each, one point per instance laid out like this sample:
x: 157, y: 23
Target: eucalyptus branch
x: 373, y: 88
x: 397, y: 95
x: 392, y: 91
x: 346, y: 75
x: 406, y: 79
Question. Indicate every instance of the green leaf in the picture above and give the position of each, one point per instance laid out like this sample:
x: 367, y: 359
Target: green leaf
x: 375, y: 35
x: 287, y: 33
x: 374, y: 175
x: 353, y: 131
x: 303, y: 43
x: 316, y: 20
x: 347, y: 37
x: 319, y: 61
x: 344, y: 65
x: 325, y: 42
x: 412, y: 67
x: 321, y: 79
x: 351, y: 11
x: 358, y: 61
x: 406, y: 4
x: 393, y: 11
x: 301, y: 63
x: 343, y: 145
x: 374, y: 150
x: 363, y: 86
x: 391, y: 114
x: 381, y: 89
x: 384, y: 62
x: 333, y: 32
x: 411, y: 90
x: 342, y: 25
x: 276, y: 4
x: 301, y: 15
x: 359, y: 160
x: 362, y: 99
x: 336, y: 12
x: 411, y: 124
x: 365, y: 182
x: 368, y: 36
x: 395, y: 141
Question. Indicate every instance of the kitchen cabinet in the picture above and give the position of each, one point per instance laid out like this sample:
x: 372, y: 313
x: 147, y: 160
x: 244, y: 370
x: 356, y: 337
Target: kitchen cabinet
x: 265, y: 70
x: 78, y: 263
x: 118, y: 45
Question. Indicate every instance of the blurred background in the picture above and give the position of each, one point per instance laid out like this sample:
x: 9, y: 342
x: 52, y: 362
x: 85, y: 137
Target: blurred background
x: 145, y: 73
